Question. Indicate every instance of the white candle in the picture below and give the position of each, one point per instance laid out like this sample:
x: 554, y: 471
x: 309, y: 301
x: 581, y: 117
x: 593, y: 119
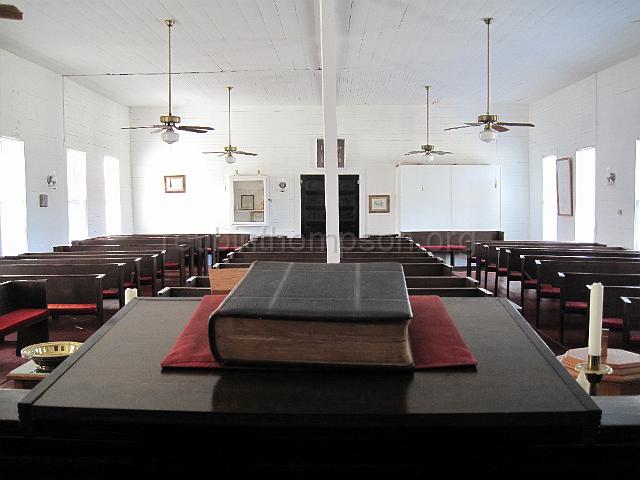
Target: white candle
x: 595, y: 319
x: 129, y: 294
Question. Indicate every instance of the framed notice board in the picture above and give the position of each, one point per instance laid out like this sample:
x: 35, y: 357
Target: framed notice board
x: 564, y: 189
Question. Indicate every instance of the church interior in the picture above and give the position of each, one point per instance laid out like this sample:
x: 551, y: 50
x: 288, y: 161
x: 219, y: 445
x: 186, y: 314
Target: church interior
x: 190, y: 278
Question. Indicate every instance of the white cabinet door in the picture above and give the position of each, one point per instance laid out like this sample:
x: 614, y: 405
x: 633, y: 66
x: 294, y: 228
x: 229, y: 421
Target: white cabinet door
x: 425, y: 202
x: 475, y: 197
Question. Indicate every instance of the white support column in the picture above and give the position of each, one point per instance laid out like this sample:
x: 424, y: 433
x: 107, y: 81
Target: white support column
x: 330, y: 122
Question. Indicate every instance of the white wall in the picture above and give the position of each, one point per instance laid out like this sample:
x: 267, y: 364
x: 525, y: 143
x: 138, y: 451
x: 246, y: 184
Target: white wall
x: 376, y: 139
x: 602, y: 111
x: 31, y: 109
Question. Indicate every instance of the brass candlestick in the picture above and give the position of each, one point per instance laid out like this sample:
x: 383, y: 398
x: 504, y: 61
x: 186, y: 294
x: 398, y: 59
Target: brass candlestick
x: 594, y: 371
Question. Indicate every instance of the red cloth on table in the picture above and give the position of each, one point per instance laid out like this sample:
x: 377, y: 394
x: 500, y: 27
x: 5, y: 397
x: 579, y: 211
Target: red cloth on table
x: 435, y: 340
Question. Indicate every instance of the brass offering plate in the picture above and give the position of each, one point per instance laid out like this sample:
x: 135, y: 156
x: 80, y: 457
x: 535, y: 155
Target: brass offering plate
x: 49, y: 355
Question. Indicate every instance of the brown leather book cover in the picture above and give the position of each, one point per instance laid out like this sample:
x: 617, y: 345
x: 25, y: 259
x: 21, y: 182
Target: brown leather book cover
x: 286, y: 313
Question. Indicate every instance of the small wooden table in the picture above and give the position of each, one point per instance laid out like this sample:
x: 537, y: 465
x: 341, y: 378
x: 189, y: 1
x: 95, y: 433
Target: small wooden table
x: 27, y: 375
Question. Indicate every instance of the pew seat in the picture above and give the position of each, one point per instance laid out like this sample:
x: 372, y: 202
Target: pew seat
x: 23, y: 309
x: 72, y: 308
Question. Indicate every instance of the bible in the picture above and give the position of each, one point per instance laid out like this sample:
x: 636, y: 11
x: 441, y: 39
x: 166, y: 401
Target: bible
x: 315, y: 315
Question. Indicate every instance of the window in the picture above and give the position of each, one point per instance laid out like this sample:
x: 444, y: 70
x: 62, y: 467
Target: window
x: 637, y: 214
x: 13, y: 198
x: 112, y: 195
x: 585, y: 226
x: 549, y: 199
x: 77, y: 194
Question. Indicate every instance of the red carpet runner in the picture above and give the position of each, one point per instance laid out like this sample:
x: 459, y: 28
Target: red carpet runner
x: 435, y: 340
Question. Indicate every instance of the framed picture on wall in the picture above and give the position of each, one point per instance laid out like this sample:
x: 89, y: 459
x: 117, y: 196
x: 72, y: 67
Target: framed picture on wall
x: 379, y: 203
x: 175, y: 183
x: 247, y: 202
x: 320, y: 153
x: 564, y: 187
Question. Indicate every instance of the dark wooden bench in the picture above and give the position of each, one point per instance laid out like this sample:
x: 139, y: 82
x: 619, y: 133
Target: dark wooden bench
x: 174, y: 256
x: 451, y: 292
x: 228, y: 242
x: 156, y: 262
x: 574, y: 294
x: 452, y: 241
x: 549, y: 283
x: 114, y: 273
x: 631, y: 315
x: 199, y: 281
x: 70, y: 294
x: 184, y: 292
x: 441, y: 282
x: 613, y: 309
x: 528, y: 267
x: 132, y: 270
x: 23, y: 309
x: 482, y: 251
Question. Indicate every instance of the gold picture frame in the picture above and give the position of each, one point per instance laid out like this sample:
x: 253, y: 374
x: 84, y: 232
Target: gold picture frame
x: 379, y: 203
x: 175, y: 183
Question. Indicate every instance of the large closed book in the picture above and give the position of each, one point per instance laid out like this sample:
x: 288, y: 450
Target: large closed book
x: 314, y: 314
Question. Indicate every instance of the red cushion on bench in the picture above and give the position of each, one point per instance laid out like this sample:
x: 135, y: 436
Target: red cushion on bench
x: 491, y: 267
x: 634, y: 337
x: 612, y: 322
x: 110, y: 293
x: 443, y: 247
x: 11, y: 321
x: 549, y: 291
x: 572, y: 305
x: 503, y: 270
x: 226, y: 248
x: 69, y: 308
x: 513, y: 274
x: 530, y: 283
x: 172, y: 265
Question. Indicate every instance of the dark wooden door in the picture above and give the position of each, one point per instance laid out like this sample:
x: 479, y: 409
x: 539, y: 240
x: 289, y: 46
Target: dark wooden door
x: 312, y: 209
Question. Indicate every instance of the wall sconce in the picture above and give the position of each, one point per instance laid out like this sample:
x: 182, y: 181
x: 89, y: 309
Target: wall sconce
x: 611, y: 177
x: 52, y: 180
x: 282, y: 185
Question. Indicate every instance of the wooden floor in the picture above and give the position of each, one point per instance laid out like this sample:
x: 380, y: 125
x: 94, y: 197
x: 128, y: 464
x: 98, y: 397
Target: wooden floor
x: 79, y: 328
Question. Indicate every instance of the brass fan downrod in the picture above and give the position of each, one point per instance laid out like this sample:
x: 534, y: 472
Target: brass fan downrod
x: 170, y: 118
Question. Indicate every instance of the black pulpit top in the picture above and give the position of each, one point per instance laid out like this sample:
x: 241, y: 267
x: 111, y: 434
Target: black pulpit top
x: 116, y: 379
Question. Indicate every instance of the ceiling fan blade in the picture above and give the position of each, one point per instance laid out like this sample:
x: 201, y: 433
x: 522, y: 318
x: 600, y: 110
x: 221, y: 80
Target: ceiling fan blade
x: 440, y: 152
x: 414, y: 152
x: 517, y: 124
x: 159, y: 130
x: 149, y: 126
x: 466, y: 125
x: 197, y: 127
x: 224, y: 153
x: 10, y: 12
x: 190, y: 129
x: 499, y: 128
x: 245, y: 153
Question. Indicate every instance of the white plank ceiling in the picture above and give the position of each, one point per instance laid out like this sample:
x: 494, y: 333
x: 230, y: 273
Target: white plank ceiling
x: 269, y: 49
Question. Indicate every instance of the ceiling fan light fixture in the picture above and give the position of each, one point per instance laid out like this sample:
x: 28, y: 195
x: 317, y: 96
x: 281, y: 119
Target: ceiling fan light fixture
x: 230, y: 159
x: 430, y: 157
x: 487, y: 135
x: 169, y: 136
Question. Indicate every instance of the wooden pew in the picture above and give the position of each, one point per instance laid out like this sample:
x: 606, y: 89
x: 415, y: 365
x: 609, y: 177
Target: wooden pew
x: 481, y: 250
x: 549, y: 283
x: 70, y: 294
x: 174, y: 256
x: 228, y: 242
x: 499, y: 265
x: 199, y: 281
x: 631, y: 313
x: 528, y: 267
x: 23, y: 309
x: 132, y: 269
x: 184, y: 292
x: 441, y: 282
x: 451, y: 292
x: 155, y: 264
x: 574, y: 292
x: 113, y: 273
x: 452, y: 241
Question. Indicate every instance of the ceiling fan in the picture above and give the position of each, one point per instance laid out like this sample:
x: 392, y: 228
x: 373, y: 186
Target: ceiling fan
x: 170, y: 122
x: 490, y: 122
x: 230, y: 150
x: 10, y: 12
x: 428, y: 149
